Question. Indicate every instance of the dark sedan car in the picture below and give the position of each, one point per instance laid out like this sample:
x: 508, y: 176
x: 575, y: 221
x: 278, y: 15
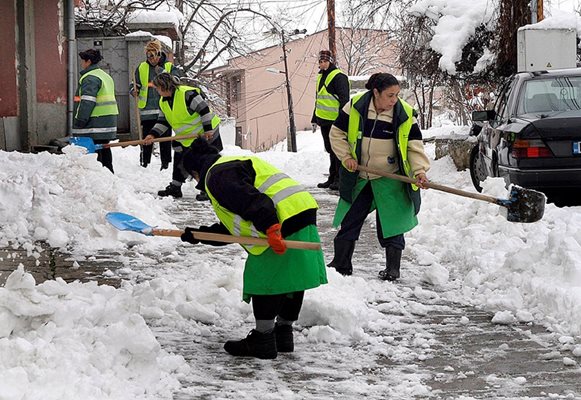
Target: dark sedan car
x: 532, y: 138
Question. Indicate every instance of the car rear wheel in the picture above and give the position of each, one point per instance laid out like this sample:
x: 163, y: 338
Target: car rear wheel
x: 478, y: 172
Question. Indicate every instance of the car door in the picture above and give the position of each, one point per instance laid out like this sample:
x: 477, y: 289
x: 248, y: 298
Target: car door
x: 490, y: 137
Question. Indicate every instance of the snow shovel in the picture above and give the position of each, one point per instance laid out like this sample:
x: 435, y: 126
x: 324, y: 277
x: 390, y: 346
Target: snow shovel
x: 126, y: 222
x: 523, y: 205
x: 87, y: 142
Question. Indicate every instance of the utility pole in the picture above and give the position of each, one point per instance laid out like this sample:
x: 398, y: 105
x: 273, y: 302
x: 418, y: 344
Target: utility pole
x: 536, y: 11
x: 179, y: 56
x: 331, y: 28
x: 292, y: 140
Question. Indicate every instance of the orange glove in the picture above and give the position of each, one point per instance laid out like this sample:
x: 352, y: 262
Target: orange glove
x: 275, y: 239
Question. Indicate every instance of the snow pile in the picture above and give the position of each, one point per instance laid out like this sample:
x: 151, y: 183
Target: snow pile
x: 454, y: 25
x: 58, y: 339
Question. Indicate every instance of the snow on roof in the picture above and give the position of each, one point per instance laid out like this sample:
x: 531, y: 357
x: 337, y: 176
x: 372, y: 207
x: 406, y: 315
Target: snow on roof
x: 165, y: 40
x: 154, y: 16
x: 559, y: 20
x: 139, y: 34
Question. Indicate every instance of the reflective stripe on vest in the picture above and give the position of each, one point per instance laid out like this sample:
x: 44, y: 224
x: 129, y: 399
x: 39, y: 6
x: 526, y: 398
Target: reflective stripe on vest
x: 326, y: 105
x: 354, y: 133
x: 289, y: 197
x: 89, y: 131
x: 105, y: 102
x: 144, y: 77
x: 182, y: 122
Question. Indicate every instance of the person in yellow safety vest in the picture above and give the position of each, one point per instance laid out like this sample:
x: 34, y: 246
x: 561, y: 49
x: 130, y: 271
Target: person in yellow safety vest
x: 95, y: 110
x: 378, y: 130
x: 148, y: 99
x: 332, y: 95
x: 253, y: 198
x: 185, y: 110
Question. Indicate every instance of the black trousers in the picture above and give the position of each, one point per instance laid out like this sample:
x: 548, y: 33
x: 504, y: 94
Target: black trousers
x: 333, y: 160
x: 355, y: 217
x: 104, y: 156
x: 287, y: 306
x: 178, y: 172
x: 164, y: 147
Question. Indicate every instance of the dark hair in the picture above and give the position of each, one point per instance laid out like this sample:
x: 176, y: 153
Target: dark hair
x: 166, y: 81
x: 381, y: 81
x: 92, y: 55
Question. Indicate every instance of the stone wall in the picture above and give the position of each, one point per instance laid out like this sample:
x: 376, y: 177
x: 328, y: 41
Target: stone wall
x: 458, y: 147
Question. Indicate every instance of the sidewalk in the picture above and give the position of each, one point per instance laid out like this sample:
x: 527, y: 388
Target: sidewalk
x: 437, y: 349
x: 466, y: 355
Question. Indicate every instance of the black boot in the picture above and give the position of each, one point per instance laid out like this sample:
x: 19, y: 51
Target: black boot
x: 326, y: 184
x: 284, y: 338
x: 256, y: 344
x: 202, y: 196
x: 392, y: 262
x: 334, y: 185
x: 342, y: 258
x: 171, y: 190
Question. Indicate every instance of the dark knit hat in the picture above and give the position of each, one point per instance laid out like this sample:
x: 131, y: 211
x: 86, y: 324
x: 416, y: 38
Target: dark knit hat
x: 325, y: 55
x: 198, y: 154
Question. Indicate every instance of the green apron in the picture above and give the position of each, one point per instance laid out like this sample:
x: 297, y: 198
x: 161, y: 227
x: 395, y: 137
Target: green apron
x: 295, y: 270
x: 395, y: 209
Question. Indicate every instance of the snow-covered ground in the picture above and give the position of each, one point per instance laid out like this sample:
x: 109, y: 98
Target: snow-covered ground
x: 84, y: 341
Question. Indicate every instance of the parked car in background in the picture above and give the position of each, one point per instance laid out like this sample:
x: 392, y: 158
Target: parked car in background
x: 532, y: 137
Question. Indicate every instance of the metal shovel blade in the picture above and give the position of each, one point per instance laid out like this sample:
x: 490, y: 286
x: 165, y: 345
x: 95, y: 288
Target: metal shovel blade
x: 86, y: 142
x: 126, y: 222
x: 524, y: 205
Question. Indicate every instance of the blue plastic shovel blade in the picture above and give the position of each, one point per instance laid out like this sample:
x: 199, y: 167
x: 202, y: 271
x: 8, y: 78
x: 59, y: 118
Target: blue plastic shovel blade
x: 126, y: 222
x: 86, y: 142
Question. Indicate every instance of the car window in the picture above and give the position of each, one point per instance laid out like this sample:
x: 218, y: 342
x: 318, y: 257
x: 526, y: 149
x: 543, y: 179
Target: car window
x: 501, y: 106
x: 550, y: 94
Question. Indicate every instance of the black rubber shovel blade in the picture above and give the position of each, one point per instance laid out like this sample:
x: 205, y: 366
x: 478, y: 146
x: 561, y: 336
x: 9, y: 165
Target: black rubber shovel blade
x: 525, y: 205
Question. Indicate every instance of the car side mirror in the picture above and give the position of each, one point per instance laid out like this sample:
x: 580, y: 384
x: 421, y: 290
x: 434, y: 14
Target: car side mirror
x: 487, y: 115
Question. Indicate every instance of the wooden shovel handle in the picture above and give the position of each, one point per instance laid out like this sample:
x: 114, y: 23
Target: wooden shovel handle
x: 137, y: 115
x: 163, y: 139
x: 218, y: 237
x: 431, y: 185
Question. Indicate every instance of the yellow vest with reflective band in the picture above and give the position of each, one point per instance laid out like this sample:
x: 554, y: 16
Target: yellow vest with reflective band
x: 144, y: 77
x: 182, y: 122
x: 327, y: 105
x: 354, y: 133
x: 289, y: 197
x: 105, y: 102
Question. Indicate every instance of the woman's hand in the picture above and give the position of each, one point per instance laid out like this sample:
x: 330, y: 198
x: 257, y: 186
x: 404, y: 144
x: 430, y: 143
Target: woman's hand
x: 148, y: 139
x: 422, y: 179
x: 350, y: 164
x: 208, y: 136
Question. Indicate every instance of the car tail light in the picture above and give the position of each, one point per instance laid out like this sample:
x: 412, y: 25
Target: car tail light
x: 530, y: 149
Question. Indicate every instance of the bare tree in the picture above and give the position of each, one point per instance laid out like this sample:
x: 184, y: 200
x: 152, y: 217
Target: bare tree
x: 513, y: 14
x: 209, y: 30
x: 367, y: 32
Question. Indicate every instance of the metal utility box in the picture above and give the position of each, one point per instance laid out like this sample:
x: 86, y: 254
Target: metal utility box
x: 545, y: 49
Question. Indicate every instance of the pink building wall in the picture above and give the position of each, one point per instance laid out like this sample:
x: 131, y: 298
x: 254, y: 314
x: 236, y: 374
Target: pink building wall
x: 257, y: 99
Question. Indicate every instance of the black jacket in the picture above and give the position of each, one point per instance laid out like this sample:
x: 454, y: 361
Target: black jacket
x: 232, y: 185
x: 339, y: 87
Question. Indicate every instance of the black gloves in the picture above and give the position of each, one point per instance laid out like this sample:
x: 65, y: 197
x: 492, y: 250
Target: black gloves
x: 188, y: 235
